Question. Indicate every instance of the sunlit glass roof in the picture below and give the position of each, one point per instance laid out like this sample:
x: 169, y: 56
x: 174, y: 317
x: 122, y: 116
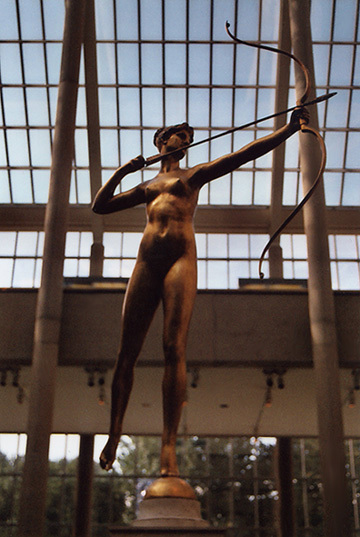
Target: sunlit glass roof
x: 161, y: 63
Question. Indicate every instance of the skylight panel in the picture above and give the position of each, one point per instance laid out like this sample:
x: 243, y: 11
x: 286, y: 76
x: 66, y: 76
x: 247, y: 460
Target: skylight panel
x: 337, y: 110
x: 321, y: 15
x: 109, y: 148
x: 54, y: 15
x: 345, y: 19
x: 37, y: 106
x: 151, y: 64
x: 242, y: 187
x: 248, y: 20
x: 21, y: 186
x: 335, y: 145
x: 104, y: 19
x: 199, y: 107
x: 40, y: 150
x: 107, y: 107
x: 41, y: 180
x: 53, y: 60
x: 199, y: 20
x: 34, y: 64
x: 270, y: 20
x: 81, y: 148
x: 152, y: 112
x: 355, y: 109
x: 175, y: 64
x: 18, y: 147
x: 341, y: 63
x: 351, y: 192
x: 5, y: 196
x: 129, y: 106
x: 10, y: 64
x: 8, y: 13
x: 30, y: 19
x: 222, y: 65
x: 175, y: 11
x: 175, y: 106
x: 199, y: 64
x: 220, y: 191
x: 150, y: 20
x: 244, y: 106
x: 14, y: 106
x: 352, y: 153
x: 221, y: 107
x: 262, y: 188
x: 128, y: 63
x: 332, y: 185
x: 321, y: 64
x: 106, y: 63
x: 130, y: 146
x: 126, y: 19
x: 224, y: 10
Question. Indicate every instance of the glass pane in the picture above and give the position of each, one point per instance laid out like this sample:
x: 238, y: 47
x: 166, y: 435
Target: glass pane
x: 21, y: 186
x: 40, y: 147
x: 104, y: 18
x: 151, y: 64
x: 34, y: 63
x: 217, y: 245
x: 199, y: 64
x: 26, y: 243
x: 128, y: 63
x: 217, y: 275
x: 175, y: 63
x: 129, y: 99
x: 24, y: 273
x: 150, y: 19
x: 175, y: 20
x: 152, y: 107
x: 37, y: 106
x: 14, y: 108
x: 199, y: 20
x: 10, y: 29
x: 126, y: 19
x: 351, y: 193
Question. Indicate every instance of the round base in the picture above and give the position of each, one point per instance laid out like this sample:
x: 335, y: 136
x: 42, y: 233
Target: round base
x: 169, y: 487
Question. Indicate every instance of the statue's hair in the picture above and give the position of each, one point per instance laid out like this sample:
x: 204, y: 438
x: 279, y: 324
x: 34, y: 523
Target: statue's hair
x: 163, y: 134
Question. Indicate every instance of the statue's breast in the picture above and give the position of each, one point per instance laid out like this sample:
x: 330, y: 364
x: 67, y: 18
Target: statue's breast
x: 173, y: 185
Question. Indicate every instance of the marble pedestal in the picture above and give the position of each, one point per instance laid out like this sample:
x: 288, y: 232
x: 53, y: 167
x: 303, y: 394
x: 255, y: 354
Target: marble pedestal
x: 169, y: 508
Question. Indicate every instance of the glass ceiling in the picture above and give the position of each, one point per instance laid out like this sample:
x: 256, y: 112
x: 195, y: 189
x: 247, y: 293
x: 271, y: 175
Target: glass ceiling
x: 161, y: 63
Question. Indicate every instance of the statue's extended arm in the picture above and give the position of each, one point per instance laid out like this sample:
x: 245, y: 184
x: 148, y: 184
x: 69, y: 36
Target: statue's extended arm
x: 204, y: 173
x: 105, y: 202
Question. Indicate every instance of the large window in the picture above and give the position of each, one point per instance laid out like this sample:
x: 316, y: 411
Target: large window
x: 232, y: 477
x: 223, y: 258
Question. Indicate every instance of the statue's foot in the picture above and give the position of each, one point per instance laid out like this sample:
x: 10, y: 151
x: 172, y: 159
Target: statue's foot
x: 108, y: 454
x: 168, y: 464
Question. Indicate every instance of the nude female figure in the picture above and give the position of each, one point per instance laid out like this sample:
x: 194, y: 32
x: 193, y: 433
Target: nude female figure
x: 165, y: 269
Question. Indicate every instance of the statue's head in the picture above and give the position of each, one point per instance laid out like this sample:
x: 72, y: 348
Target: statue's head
x: 163, y: 134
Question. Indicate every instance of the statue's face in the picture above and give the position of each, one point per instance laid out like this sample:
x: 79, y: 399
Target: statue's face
x: 176, y: 141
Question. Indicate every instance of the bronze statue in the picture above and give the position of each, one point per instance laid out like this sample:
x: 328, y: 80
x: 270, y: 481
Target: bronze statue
x: 165, y: 269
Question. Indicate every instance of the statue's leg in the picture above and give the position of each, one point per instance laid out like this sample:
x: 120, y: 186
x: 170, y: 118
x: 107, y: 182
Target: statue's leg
x: 178, y: 297
x: 141, y: 300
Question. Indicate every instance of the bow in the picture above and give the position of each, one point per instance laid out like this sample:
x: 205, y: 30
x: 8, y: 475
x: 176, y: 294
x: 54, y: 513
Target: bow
x: 304, y: 128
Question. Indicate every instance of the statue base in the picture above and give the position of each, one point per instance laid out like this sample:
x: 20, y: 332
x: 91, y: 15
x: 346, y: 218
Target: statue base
x: 169, y: 507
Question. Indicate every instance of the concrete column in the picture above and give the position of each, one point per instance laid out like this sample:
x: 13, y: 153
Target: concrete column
x: 321, y: 304
x: 283, y: 472
x: 92, y: 112
x: 49, y: 304
x: 84, y: 487
x: 277, y: 172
